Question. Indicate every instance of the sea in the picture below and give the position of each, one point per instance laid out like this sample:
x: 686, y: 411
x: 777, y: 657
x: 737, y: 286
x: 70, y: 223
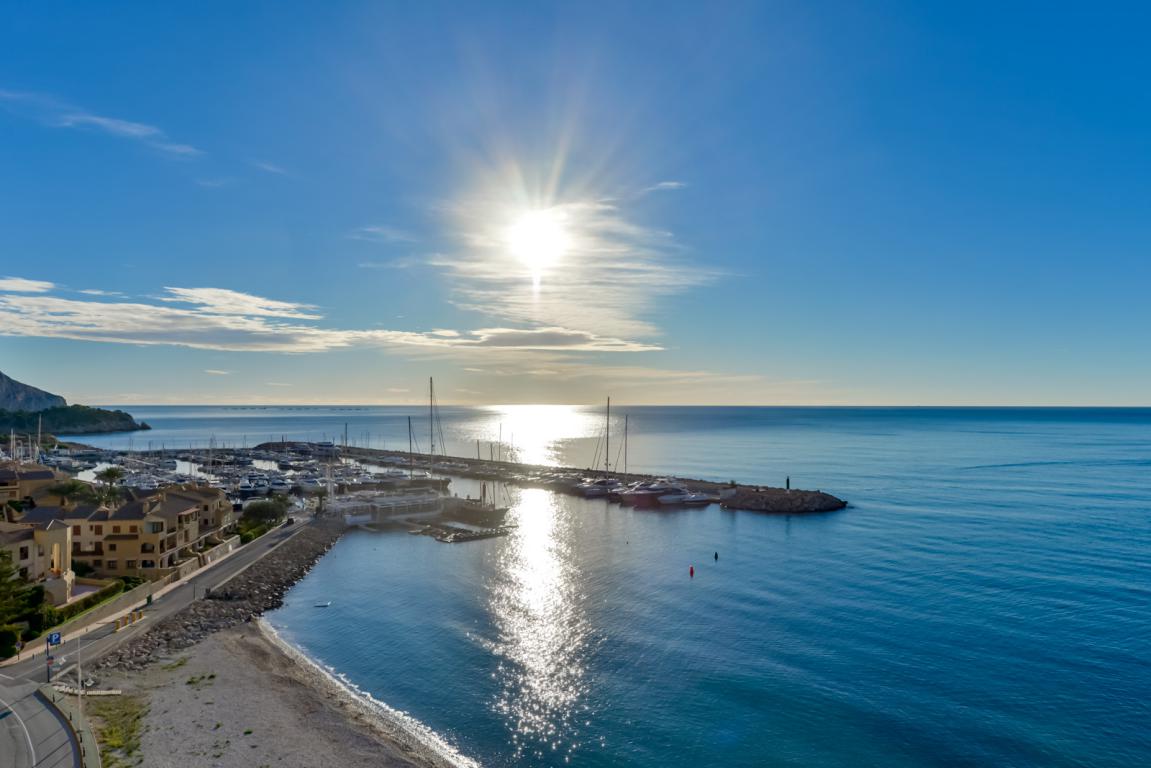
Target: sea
x: 984, y: 600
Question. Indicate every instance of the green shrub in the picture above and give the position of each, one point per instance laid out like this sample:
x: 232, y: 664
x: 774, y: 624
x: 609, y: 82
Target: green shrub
x: 54, y: 616
x: 8, y: 637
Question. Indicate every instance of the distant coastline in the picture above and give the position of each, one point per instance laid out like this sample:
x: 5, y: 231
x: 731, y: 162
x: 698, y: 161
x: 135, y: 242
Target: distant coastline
x: 70, y: 420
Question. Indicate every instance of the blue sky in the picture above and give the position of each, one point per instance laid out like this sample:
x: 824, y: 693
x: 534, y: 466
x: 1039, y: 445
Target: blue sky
x: 909, y: 203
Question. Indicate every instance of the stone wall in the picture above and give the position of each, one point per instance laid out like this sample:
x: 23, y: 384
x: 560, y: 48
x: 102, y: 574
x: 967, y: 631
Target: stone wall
x: 258, y: 588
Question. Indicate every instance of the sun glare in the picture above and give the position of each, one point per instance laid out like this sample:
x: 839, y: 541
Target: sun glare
x: 539, y: 239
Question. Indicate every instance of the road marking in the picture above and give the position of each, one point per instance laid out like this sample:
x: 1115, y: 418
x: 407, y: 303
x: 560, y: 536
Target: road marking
x: 27, y: 735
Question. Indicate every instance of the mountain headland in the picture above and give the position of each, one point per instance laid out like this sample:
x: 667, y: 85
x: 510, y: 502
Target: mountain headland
x: 26, y: 409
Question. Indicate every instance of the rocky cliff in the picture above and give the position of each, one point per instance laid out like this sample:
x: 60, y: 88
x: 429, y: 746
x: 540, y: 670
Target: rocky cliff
x: 15, y: 396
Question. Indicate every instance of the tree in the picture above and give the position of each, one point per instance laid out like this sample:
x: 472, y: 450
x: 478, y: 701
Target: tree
x: 110, y: 476
x: 264, y: 511
x: 69, y: 490
x: 10, y: 589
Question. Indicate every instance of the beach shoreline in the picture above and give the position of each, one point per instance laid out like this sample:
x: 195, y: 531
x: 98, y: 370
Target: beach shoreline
x: 244, y: 697
x: 216, y: 674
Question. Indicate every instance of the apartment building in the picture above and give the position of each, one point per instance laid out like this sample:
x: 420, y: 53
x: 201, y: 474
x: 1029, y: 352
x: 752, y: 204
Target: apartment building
x: 148, y: 536
x: 42, y: 554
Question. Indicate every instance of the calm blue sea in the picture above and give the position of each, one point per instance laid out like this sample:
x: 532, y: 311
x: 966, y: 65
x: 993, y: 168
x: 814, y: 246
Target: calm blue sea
x: 985, y: 600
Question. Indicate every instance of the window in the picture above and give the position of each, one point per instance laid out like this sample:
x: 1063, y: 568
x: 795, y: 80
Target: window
x: 130, y: 564
x: 131, y: 529
x: 75, y: 530
x: 23, y: 553
x: 99, y: 530
x: 113, y: 564
x: 97, y: 563
x: 155, y: 527
x: 115, y: 529
x: 24, y: 574
x: 112, y: 547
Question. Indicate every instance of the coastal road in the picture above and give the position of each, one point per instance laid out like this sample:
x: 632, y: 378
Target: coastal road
x: 32, y: 732
x: 104, y: 638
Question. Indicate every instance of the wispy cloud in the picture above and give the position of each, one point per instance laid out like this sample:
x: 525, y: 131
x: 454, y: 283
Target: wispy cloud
x: 267, y: 167
x: 217, y: 372
x: 58, y: 114
x: 406, y: 262
x: 614, y: 274
x: 98, y: 292
x: 24, y: 285
x: 223, y: 319
x: 382, y: 234
x: 277, y: 384
x: 664, y: 186
x: 222, y: 301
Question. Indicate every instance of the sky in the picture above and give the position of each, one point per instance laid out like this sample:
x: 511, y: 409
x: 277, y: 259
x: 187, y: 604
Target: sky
x: 669, y: 203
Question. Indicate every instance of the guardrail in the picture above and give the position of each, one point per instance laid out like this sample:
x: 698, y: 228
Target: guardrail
x: 82, y: 734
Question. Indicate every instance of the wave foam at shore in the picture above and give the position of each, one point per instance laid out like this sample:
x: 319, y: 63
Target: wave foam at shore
x: 398, y: 726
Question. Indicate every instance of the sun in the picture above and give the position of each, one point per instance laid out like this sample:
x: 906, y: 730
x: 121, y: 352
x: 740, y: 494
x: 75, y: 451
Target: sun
x: 539, y: 239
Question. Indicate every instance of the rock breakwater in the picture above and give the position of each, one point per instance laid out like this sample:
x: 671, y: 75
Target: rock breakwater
x: 260, y: 587
x: 781, y: 500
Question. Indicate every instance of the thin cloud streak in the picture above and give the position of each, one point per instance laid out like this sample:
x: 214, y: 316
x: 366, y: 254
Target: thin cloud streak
x: 54, y: 113
x: 222, y: 319
x: 664, y: 186
x: 382, y: 234
x: 615, y: 271
x: 267, y: 167
x: 24, y: 285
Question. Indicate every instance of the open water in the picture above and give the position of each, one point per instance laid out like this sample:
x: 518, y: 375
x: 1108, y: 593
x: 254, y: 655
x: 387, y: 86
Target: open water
x: 985, y: 600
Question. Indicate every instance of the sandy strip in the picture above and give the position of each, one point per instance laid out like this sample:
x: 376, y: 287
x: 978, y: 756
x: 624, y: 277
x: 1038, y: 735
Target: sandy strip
x: 243, y: 698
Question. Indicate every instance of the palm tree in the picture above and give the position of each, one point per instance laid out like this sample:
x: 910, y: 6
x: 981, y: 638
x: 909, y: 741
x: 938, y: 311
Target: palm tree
x: 69, y: 490
x: 110, y: 475
x: 109, y: 491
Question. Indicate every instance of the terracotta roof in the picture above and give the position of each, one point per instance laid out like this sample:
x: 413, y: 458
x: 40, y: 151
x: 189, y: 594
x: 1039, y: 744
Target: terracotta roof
x: 43, y: 515
x: 16, y: 536
x: 133, y: 510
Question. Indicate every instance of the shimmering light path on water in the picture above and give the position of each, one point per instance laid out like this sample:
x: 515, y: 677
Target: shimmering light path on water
x: 983, y: 602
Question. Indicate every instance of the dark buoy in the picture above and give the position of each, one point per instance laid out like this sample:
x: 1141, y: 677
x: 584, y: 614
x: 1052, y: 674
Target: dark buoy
x: 716, y: 555
x: 691, y: 571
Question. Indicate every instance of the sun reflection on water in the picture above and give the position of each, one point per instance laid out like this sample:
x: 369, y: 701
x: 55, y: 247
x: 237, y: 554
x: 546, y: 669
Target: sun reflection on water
x: 536, y: 434
x: 543, y: 636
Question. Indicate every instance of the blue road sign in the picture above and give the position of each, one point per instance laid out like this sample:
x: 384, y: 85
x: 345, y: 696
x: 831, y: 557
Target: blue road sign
x: 54, y: 638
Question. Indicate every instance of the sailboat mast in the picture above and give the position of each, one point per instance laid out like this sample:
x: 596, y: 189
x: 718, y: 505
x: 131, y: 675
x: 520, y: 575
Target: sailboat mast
x: 625, y: 447
x: 607, y: 439
x: 411, y: 456
x: 431, y: 419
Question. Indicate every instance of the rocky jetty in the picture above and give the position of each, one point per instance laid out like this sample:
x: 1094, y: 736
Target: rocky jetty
x: 780, y: 500
x: 248, y: 594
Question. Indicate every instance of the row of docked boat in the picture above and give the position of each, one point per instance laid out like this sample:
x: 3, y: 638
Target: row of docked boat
x: 646, y: 493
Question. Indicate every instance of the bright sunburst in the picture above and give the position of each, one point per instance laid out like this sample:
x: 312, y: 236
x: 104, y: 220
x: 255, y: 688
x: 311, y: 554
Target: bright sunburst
x: 539, y: 239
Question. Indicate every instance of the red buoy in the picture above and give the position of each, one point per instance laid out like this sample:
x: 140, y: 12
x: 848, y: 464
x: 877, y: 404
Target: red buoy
x: 691, y: 571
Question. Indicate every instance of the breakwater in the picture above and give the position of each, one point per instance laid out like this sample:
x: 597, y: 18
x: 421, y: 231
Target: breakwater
x: 260, y: 587
x: 754, y: 498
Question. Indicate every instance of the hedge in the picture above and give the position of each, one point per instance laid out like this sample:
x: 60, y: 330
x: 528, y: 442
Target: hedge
x: 53, y: 616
